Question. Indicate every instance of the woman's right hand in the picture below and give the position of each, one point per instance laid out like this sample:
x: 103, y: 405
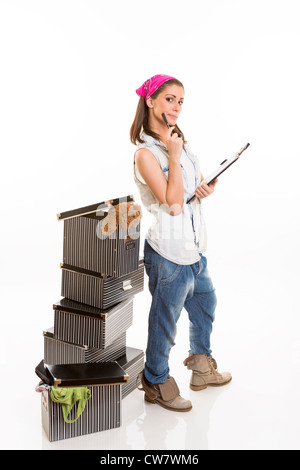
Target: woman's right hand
x: 174, y: 146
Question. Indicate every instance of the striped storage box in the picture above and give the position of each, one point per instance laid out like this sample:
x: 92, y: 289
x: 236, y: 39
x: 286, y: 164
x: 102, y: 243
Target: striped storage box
x: 61, y: 352
x: 100, y: 290
x: 85, y: 247
x: 132, y: 363
x: 102, y: 410
x: 84, y: 325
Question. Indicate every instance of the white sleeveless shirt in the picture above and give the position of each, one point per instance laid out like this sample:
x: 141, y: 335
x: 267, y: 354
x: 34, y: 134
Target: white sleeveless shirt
x: 180, y: 238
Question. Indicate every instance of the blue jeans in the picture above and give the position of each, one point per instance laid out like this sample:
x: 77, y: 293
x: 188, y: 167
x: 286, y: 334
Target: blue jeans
x: 174, y: 287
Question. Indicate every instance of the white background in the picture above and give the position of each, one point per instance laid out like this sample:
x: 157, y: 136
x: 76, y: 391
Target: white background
x: 69, y: 70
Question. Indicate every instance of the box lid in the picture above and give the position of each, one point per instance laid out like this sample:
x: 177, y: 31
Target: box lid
x: 130, y: 357
x: 71, y: 306
x: 92, y: 373
x: 43, y: 373
x: 49, y: 333
x: 87, y: 272
x: 94, y: 209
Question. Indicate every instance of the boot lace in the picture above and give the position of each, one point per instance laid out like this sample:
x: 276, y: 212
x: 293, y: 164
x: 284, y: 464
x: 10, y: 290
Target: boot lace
x: 213, y: 365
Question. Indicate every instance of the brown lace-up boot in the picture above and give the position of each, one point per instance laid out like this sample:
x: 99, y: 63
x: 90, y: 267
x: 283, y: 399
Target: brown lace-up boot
x: 166, y: 394
x: 205, y: 372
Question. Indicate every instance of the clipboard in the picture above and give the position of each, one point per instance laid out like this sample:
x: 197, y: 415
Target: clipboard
x: 220, y: 169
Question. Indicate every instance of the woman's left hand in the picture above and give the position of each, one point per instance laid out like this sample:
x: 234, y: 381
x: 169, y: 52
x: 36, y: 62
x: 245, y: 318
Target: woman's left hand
x: 205, y: 190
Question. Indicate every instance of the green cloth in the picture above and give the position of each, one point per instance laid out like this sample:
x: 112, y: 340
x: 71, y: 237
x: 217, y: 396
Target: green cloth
x: 68, y: 396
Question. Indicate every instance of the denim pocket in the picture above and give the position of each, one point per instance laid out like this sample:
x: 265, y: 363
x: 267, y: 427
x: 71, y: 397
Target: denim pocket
x: 152, y: 275
x: 169, y: 272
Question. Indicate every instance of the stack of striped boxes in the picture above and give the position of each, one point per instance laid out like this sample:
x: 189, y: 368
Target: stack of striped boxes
x: 100, y: 277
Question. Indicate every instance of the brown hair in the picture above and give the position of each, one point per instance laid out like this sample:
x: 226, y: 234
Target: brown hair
x: 140, y: 122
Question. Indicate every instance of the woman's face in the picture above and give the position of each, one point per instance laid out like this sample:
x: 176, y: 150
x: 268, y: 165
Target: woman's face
x: 170, y: 102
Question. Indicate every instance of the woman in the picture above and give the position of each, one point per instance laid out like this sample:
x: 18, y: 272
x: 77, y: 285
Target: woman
x: 167, y: 173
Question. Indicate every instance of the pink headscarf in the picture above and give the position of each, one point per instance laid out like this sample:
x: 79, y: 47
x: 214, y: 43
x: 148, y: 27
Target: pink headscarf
x: 152, y: 84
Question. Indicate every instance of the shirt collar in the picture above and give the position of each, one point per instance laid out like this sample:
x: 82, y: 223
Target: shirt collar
x: 152, y: 141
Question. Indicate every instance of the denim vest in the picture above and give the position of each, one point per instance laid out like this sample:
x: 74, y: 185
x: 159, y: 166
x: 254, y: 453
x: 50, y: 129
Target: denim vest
x: 180, y: 238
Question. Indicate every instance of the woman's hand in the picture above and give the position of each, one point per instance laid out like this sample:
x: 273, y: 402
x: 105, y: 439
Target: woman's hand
x: 205, y: 190
x: 174, y: 146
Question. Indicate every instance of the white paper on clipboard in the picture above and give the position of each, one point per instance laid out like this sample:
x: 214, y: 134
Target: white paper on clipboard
x: 220, y: 169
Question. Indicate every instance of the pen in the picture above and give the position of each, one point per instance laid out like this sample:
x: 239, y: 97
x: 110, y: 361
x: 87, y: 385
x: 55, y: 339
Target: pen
x: 168, y: 125
x: 165, y: 119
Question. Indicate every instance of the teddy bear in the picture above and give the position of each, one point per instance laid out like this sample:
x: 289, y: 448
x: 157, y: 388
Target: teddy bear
x: 125, y: 214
